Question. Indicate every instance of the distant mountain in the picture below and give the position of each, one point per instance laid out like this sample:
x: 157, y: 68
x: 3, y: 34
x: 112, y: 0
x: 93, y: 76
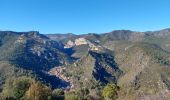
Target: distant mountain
x: 114, y: 35
x: 160, y: 33
x: 59, y: 37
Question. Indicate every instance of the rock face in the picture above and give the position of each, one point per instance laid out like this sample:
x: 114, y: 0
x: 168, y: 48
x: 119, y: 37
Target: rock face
x: 77, y: 42
x: 82, y: 41
x: 69, y: 44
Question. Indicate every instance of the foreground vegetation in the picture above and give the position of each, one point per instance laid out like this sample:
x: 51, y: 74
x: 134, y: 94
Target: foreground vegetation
x: 26, y: 88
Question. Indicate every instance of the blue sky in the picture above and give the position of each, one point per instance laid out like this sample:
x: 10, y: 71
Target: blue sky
x: 84, y: 16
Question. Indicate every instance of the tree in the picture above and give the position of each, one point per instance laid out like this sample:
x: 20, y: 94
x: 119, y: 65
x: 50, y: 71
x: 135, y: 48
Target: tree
x: 110, y: 91
x: 58, y: 94
x: 16, y: 87
x: 20, y: 86
x: 38, y: 91
x: 83, y: 92
x: 72, y: 96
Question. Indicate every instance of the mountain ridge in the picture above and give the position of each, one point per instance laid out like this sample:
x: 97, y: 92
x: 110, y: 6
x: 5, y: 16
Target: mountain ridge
x: 135, y: 61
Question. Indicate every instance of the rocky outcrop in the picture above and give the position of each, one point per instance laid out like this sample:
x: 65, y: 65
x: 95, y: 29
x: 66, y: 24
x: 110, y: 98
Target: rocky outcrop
x: 76, y: 42
x: 82, y: 41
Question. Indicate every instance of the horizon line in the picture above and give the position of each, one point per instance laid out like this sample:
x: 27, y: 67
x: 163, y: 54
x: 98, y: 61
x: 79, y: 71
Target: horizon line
x: 84, y: 32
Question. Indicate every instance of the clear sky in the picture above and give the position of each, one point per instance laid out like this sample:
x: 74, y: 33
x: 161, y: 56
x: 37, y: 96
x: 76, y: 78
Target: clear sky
x: 84, y: 16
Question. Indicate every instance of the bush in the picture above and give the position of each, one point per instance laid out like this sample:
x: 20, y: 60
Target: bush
x: 20, y: 86
x: 110, y: 91
x: 72, y: 96
x: 16, y: 88
x: 58, y: 94
x: 83, y: 92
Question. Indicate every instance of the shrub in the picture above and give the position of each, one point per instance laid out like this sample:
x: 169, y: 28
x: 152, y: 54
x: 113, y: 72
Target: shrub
x: 110, y: 91
x: 72, y: 96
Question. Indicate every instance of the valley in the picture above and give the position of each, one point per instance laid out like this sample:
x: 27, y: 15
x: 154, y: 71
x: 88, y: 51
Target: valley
x: 135, y: 64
